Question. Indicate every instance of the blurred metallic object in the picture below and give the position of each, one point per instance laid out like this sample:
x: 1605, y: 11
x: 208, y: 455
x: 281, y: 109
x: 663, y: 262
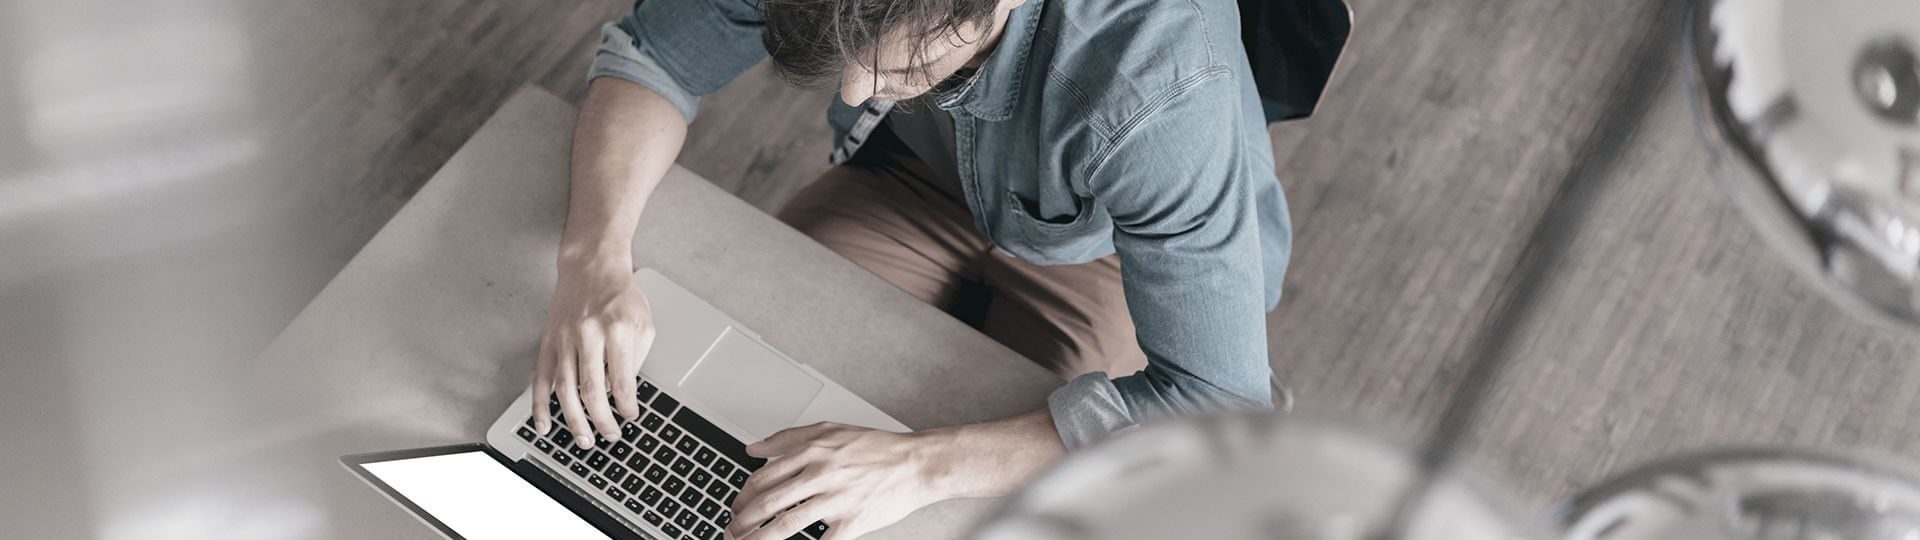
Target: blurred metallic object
x: 1817, y: 103
x: 1250, y: 476
x: 1752, y: 494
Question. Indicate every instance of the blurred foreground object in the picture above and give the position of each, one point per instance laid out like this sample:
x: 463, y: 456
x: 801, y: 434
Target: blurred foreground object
x: 1250, y: 476
x: 1752, y: 494
x: 1814, y: 106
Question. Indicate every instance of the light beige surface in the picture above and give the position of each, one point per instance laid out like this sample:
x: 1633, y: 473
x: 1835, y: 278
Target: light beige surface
x: 431, y: 329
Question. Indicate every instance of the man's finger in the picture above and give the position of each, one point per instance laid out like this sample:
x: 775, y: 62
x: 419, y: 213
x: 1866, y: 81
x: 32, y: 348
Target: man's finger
x: 755, y: 507
x: 789, y: 522
x: 542, y: 385
x: 568, y: 386
x: 593, y: 385
x: 622, y: 368
x: 789, y: 440
x: 775, y: 473
x: 847, y: 528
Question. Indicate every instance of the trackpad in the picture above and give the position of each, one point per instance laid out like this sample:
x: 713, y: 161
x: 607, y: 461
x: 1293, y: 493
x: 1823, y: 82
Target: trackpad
x: 750, y: 385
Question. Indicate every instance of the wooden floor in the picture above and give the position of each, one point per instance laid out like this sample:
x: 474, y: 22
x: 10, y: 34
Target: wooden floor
x: 1514, y: 179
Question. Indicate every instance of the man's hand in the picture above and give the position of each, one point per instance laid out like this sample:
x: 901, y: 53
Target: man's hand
x: 858, y: 480
x: 599, y: 329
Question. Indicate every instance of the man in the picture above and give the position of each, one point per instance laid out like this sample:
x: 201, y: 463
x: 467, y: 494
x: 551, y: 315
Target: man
x: 1031, y: 148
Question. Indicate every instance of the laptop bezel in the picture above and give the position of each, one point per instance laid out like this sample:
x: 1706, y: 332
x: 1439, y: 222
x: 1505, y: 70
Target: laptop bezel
x: 532, y: 474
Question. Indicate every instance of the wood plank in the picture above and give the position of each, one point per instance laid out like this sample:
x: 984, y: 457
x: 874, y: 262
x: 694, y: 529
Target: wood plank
x: 1428, y: 164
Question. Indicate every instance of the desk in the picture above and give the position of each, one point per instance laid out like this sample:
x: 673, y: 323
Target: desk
x: 431, y: 330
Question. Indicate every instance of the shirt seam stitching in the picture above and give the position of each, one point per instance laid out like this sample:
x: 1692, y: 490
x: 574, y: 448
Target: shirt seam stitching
x: 1106, y: 132
x: 1206, y: 30
x: 1159, y: 102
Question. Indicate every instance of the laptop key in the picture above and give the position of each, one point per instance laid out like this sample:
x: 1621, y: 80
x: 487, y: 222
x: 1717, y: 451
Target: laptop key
x: 717, y: 438
x: 673, y: 485
x: 704, y: 531
x: 651, y: 517
x: 817, y: 529
x: 718, y: 490
x: 614, y: 491
x: 687, y: 445
x: 620, y: 450
x: 670, y: 434
x: 647, y: 444
x: 709, y: 509
x: 705, y: 456
x: 725, y: 518
x: 615, y: 472
x: 686, y: 519
x: 665, y: 404
x: 722, y: 468
x: 667, y: 507
x: 699, y: 478
x: 561, y: 436
x: 664, y: 455
x: 579, y: 470
x: 739, y: 479
x: 525, y: 434
x: 578, y: 452
x: 633, y: 505
x: 629, y: 431
x: 598, y: 482
x: 561, y: 457
x: 690, y: 497
x: 682, y: 466
x: 632, y: 485
x: 655, y: 474
x: 597, y: 461
x: 638, y: 462
x: 543, y: 445
x: 653, y: 422
x: 646, y: 391
x: 650, y: 495
x: 671, y: 530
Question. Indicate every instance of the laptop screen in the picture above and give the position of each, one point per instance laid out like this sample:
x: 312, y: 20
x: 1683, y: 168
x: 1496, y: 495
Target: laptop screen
x: 474, y: 496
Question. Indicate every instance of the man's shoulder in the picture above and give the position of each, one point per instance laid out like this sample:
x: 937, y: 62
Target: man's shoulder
x: 1122, y: 58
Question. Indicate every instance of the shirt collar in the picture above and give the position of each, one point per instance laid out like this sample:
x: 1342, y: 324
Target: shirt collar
x: 992, y: 92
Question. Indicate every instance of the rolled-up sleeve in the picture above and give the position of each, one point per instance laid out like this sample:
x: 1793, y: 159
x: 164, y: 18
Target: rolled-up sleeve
x: 681, y: 49
x: 1182, y: 195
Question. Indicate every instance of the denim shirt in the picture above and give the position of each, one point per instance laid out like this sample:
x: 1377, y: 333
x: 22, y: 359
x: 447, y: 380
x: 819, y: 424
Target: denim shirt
x: 1095, y: 127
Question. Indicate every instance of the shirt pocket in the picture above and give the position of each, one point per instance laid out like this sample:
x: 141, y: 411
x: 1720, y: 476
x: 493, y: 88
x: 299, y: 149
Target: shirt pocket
x: 1078, y: 238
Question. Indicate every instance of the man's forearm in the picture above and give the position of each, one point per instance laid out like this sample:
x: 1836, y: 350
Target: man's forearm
x: 623, y: 144
x: 991, y: 459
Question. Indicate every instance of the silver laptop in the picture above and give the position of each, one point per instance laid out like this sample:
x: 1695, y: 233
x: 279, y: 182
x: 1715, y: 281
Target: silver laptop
x: 708, y: 387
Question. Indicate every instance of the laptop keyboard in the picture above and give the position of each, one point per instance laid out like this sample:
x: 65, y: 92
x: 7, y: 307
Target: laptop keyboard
x: 673, y: 469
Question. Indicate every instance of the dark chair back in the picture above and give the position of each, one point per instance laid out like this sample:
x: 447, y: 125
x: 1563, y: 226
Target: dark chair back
x: 1293, y: 46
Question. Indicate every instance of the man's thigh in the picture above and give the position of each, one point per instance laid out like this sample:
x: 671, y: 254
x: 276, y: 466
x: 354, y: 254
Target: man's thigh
x: 1071, y: 319
x: 879, y: 215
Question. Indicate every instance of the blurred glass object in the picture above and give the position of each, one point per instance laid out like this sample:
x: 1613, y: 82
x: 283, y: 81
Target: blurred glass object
x: 1250, y: 476
x: 1814, y: 107
x: 1764, y: 494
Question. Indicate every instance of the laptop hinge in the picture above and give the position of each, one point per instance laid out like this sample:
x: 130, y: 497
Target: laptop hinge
x: 546, y: 480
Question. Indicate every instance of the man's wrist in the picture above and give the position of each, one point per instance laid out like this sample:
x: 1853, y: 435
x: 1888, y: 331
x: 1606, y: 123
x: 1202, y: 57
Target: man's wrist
x: 947, y: 464
x: 989, y: 459
x: 595, y: 257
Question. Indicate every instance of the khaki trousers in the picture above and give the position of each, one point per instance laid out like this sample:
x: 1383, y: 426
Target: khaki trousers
x: 886, y: 211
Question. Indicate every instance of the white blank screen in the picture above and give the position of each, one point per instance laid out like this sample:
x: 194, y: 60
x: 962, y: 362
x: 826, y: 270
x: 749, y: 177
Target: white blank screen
x: 479, y: 498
